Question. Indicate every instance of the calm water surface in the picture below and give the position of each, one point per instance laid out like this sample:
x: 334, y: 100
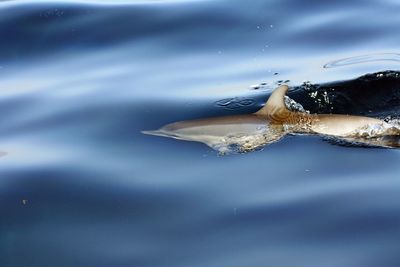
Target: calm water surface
x: 81, y: 186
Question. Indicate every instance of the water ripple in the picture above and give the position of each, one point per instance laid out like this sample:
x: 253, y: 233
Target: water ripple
x: 235, y: 103
x: 394, y: 57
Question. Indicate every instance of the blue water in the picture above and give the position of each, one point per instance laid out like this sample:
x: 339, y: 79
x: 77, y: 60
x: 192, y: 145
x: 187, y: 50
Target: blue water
x: 81, y: 186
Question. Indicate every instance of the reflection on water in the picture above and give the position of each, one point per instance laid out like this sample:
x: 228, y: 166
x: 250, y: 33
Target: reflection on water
x: 81, y: 186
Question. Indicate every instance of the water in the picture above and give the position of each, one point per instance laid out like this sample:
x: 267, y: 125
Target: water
x: 81, y: 186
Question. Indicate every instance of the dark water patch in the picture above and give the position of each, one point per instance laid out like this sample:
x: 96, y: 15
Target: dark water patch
x: 375, y: 94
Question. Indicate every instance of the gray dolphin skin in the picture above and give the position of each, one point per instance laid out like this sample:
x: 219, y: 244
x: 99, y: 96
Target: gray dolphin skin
x: 244, y: 133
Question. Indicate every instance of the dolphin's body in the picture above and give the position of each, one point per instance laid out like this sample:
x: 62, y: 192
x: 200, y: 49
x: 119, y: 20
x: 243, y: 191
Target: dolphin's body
x: 273, y: 121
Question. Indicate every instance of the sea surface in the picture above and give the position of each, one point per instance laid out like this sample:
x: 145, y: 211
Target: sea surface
x: 81, y: 186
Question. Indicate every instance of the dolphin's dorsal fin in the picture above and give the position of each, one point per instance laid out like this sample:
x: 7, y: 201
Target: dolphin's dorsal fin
x: 275, y: 107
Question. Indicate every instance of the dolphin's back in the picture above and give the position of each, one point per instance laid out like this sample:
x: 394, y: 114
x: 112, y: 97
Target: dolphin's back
x: 220, y: 126
x: 241, y: 133
x: 341, y: 125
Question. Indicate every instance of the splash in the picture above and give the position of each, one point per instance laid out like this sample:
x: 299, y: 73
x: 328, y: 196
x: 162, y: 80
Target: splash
x: 244, y: 143
x: 377, y: 130
x: 385, y: 135
x: 294, y: 106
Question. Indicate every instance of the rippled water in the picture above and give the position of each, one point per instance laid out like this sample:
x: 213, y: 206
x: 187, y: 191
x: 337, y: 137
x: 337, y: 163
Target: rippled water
x: 81, y: 186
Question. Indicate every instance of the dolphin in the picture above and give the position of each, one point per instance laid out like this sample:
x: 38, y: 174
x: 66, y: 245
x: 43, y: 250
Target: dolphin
x: 248, y: 132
